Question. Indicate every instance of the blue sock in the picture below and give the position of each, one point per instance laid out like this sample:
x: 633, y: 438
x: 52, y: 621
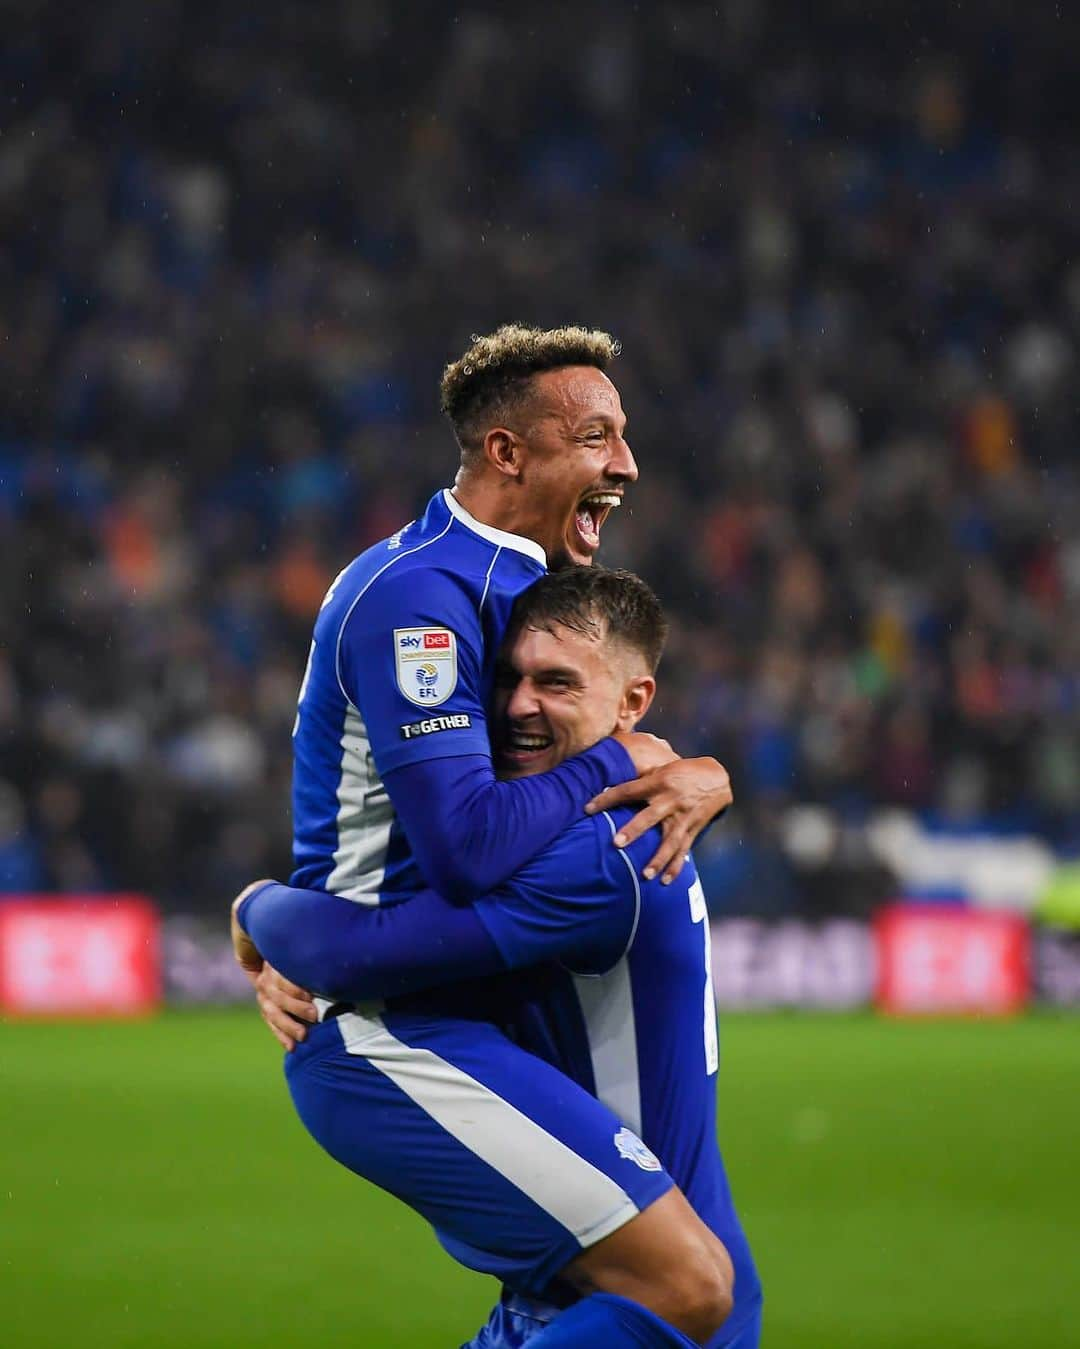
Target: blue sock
x: 612, y: 1322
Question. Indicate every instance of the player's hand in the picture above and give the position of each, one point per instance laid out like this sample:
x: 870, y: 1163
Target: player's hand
x: 681, y: 797
x: 284, y: 1006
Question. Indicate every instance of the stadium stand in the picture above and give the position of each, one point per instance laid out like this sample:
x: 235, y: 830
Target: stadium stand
x: 236, y: 250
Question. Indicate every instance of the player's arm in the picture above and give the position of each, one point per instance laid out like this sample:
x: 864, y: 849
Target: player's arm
x: 354, y: 952
x: 574, y: 903
x: 468, y: 832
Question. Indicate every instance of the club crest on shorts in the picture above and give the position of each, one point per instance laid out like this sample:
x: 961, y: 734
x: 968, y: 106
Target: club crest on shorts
x: 634, y: 1150
x: 425, y: 660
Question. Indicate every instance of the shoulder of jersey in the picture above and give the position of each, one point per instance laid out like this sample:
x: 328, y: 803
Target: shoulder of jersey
x: 616, y: 863
x: 639, y: 853
x: 420, y: 546
x: 384, y: 562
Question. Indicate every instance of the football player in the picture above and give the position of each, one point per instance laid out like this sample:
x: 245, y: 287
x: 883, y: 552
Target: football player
x: 617, y: 992
x: 394, y: 790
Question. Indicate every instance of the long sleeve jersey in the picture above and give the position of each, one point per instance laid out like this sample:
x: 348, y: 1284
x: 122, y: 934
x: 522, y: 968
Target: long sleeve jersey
x: 611, y: 985
x: 393, y: 787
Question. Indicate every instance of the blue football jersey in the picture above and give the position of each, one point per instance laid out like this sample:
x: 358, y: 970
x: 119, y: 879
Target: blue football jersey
x: 627, y: 1010
x: 609, y: 982
x: 400, y: 669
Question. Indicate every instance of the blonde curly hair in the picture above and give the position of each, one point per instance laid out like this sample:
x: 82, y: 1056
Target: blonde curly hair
x: 493, y: 374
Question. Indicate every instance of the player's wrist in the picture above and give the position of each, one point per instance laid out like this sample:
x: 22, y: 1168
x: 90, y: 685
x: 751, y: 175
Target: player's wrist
x: 241, y: 908
x: 616, y: 758
x: 648, y: 753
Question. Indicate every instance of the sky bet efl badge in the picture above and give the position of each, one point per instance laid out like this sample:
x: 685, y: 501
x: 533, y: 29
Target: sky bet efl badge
x: 426, y: 663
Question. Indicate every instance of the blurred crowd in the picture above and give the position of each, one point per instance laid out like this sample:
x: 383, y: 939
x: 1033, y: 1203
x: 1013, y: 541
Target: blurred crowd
x: 238, y: 242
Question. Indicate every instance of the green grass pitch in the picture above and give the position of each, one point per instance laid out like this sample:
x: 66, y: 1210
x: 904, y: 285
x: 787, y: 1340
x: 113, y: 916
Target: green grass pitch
x: 905, y: 1185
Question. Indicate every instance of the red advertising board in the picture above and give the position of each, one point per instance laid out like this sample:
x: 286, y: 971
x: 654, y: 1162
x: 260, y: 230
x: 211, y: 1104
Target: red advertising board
x: 945, y: 960
x: 79, y: 956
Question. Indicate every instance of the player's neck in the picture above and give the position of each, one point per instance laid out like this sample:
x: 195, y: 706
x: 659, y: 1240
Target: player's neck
x: 490, y: 504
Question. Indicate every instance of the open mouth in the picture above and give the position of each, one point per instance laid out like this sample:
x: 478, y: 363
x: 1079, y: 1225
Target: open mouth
x: 592, y: 511
x: 519, y: 747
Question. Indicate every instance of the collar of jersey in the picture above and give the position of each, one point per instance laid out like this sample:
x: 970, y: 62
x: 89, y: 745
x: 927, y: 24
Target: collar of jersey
x: 499, y: 537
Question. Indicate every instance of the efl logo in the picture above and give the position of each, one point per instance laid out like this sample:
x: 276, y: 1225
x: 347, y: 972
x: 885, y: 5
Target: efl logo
x: 425, y: 660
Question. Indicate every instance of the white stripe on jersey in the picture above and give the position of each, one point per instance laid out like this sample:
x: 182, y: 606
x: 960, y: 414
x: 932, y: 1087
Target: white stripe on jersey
x: 364, y: 810
x: 607, y: 1006
x: 487, y: 579
x: 363, y: 820
x: 573, y: 1191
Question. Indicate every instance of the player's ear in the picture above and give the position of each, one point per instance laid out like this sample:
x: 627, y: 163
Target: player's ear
x: 636, y: 700
x: 504, y: 451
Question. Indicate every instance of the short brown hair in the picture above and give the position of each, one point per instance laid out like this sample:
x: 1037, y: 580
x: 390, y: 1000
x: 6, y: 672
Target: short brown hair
x: 604, y: 604
x: 493, y: 374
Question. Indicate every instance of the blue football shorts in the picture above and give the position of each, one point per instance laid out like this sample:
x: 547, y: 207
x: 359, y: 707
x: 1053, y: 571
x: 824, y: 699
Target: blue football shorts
x: 517, y: 1320
x: 515, y: 1166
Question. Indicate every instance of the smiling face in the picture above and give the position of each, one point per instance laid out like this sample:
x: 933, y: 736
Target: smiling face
x: 576, y: 462
x: 558, y: 692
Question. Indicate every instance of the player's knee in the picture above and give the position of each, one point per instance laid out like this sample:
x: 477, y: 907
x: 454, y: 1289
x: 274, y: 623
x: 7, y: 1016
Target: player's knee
x: 712, y: 1303
x: 669, y: 1261
x: 696, y: 1293
x: 691, y: 1287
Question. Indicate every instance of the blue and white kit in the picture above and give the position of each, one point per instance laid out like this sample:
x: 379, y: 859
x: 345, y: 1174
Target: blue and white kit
x: 507, y: 1152
x: 393, y: 789
x: 611, y: 987
x: 393, y: 786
